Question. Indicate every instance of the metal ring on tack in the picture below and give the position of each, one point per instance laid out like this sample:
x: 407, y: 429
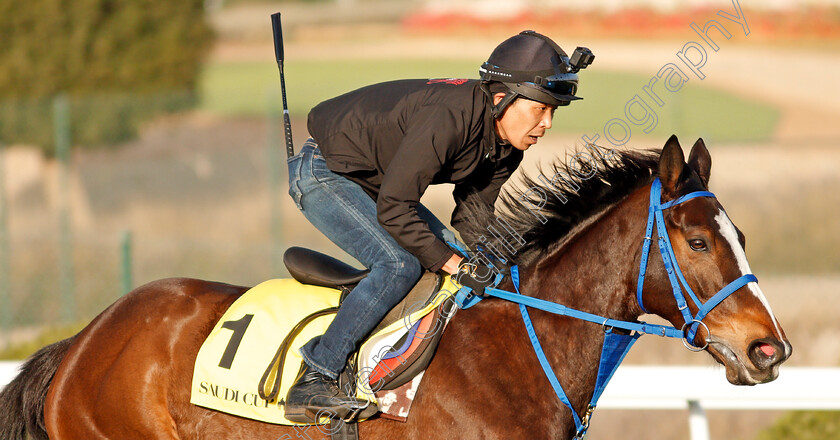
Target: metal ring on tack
x: 687, y: 344
x: 606, y: 327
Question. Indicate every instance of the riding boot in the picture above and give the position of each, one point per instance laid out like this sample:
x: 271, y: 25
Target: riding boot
x: 314, y: 395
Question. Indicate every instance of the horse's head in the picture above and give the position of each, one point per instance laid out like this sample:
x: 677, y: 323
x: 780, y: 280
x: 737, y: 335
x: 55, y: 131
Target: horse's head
x: 741, y: 331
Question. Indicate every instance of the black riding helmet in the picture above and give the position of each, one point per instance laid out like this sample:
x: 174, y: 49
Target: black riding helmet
x: 532, y: 65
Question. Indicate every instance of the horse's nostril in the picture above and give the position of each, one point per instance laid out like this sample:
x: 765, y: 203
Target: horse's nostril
x: 767, y: 349
x: 765, y: 353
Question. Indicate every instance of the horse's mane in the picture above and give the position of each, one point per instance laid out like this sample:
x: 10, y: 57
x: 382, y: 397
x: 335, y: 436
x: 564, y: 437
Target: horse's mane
x: 586, y: 192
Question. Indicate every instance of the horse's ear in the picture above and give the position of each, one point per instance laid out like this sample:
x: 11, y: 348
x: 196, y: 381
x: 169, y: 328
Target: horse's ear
x: 700, y: 161
x: 671, y: 163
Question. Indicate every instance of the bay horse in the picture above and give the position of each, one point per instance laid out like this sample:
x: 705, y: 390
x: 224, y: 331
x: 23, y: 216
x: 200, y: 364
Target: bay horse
x: 127, y: 374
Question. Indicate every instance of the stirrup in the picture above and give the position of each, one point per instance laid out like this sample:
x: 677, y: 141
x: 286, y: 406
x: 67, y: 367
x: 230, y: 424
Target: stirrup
x: 354, y: 414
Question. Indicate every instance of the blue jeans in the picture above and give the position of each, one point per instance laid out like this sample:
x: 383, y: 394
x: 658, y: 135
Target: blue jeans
x: 343, y: 212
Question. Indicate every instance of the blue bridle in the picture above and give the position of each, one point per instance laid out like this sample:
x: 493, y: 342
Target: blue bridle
x: 617, y: 345
x: 673, y: 268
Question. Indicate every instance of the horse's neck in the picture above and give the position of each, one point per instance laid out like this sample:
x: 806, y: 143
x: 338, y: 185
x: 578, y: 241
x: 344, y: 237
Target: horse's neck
x: 594, y: 270
x: 596, y: 266
x: 486, y: 357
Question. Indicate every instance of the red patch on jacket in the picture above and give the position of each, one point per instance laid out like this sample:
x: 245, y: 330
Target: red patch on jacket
x: 453, y: 81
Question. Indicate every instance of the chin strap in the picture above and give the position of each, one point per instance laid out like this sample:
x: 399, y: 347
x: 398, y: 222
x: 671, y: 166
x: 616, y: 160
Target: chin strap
x: 499, y: 109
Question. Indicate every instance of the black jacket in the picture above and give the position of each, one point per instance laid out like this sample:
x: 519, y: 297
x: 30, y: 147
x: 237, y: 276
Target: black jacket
x: 396, y: 138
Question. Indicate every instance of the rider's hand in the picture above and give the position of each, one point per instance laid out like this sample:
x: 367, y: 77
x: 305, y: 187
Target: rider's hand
x: 475, y: 275
x: 451, y: 266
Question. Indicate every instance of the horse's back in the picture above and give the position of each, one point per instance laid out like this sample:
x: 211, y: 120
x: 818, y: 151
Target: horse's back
x: 139, y: 351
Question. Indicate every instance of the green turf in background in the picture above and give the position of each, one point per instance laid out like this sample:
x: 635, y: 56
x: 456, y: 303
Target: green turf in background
x: 245, y: 89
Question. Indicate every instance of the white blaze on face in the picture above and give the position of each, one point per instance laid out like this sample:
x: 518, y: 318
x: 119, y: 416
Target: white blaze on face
x: 727, y: 230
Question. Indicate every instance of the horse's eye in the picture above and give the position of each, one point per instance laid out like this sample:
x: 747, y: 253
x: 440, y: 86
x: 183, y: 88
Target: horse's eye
x: 697, y: 245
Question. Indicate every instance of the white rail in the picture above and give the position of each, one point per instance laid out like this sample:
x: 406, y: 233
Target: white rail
x: 700, y: 388
x: 8, y: 371
x: 694, y: 388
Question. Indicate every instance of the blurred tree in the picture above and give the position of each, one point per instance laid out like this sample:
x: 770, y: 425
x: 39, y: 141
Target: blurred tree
x: 106, y: 55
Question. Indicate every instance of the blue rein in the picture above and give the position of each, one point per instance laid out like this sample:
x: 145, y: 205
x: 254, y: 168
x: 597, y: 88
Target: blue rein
x: 617, y: 345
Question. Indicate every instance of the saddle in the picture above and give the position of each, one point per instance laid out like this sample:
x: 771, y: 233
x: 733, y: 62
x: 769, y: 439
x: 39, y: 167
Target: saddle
x: 317, y: 269
x: 395, y: 363
x: 412, y: 352
x: 386, y: 370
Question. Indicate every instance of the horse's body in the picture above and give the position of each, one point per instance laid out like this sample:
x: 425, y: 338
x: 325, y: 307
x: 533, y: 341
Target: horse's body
x: 127, y: 375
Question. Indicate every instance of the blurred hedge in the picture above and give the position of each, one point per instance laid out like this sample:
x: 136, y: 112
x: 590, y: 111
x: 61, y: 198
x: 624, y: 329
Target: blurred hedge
x: 805, y: 425
x: 118, y: 61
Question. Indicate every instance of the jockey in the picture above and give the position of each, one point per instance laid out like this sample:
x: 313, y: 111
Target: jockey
x: 372, y: 154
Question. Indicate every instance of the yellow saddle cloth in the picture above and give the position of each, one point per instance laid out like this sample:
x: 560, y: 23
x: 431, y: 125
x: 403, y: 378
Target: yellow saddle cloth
x: 235, y: 355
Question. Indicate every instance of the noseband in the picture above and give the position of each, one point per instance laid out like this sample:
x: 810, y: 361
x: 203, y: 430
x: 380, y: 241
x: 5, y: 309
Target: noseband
x: 616, y: 345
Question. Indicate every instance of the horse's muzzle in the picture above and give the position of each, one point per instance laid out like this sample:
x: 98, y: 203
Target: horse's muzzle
x: 759, y: 364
